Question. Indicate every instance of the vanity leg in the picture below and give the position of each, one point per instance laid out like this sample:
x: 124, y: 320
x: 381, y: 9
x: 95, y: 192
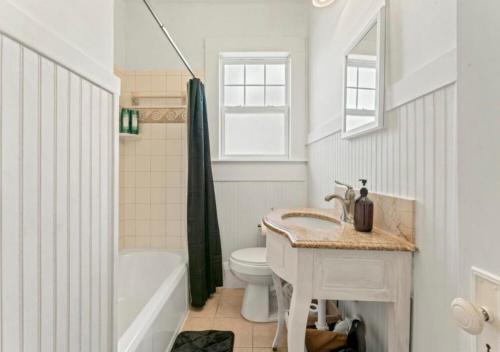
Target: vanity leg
x: 399, y: 312
x: 297, y: 319
x: 281, y: 311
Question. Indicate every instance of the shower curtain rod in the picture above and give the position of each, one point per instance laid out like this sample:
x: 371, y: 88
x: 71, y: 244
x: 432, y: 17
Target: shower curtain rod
x: 169, y: 37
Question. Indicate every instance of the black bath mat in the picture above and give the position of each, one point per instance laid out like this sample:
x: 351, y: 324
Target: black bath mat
x: 204, y: 341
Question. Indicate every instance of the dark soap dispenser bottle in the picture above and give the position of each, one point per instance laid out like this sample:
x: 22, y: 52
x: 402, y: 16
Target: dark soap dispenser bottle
x: 363, y: 211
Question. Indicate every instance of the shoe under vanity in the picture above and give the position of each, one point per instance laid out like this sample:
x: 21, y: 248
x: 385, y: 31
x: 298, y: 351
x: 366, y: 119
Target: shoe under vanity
x: 326, y: 258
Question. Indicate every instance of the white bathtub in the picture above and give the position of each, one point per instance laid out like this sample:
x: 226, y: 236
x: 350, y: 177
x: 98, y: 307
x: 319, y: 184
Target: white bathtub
x: 152, y: 299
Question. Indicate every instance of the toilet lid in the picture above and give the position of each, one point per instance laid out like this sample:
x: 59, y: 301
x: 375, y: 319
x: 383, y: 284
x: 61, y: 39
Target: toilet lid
x: 255, y: 256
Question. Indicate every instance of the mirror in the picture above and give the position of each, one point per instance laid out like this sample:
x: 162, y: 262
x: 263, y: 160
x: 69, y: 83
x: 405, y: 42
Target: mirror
x: 363, y: 106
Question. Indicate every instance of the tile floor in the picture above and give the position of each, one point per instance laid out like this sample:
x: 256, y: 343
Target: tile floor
x: 222, y: 312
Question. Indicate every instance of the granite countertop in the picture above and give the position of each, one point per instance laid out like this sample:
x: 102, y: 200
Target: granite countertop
x: 342, y: 237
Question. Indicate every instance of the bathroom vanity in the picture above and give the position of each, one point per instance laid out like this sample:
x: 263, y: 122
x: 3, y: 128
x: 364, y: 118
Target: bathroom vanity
x: 324, y: 258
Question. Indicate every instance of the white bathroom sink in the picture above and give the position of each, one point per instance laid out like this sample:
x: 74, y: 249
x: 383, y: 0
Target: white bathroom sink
x: 312, y: 222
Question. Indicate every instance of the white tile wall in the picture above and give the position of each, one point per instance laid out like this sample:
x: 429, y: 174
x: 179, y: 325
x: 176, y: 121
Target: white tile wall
x: 153, y: 188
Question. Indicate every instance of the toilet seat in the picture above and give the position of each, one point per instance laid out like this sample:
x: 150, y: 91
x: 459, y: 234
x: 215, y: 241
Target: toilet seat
x: 250, y: 256
x: 250, y: 261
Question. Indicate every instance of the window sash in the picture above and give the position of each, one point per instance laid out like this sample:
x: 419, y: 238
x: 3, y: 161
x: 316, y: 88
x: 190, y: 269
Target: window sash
x: 255, y: 61
x: 257, y: 110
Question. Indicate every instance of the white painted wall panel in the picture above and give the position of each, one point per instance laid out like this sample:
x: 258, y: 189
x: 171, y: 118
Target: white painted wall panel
x: 413, y: 156
x: 11, y: 196
x: 56, y: 237
x: 106, y: 211
x: 48, y: 210
x: 95, y: 258
x: 75, y: 209
x: 62, y: 172
x: 86, y: 218
x: 29, y: 200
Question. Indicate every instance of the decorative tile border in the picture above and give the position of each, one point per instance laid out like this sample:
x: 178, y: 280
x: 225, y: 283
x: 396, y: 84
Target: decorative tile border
x: 162, y: 115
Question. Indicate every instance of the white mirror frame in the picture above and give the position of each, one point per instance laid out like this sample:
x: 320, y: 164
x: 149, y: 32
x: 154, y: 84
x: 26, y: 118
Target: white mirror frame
x: 379, y: 20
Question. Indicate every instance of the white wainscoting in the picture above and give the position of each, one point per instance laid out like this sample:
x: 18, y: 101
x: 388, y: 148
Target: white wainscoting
x: 413, y: 156
x: 57, y: 223
x: 241, y: 206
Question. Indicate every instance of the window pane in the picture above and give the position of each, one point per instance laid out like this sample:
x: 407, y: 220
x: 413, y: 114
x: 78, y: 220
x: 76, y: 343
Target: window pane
x: 275, y: 96
x: 367, y: 77
x: 234, y: 74
x: 233, y: 96
x: 275, y: 74
x: 366, y: 99
x: 254, y: 134
x: 350, y: 98
x: 255, y: 96
x: 352, y: 76
x: 255, y: 74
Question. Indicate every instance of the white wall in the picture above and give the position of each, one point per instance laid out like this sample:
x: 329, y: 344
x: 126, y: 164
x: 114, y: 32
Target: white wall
x: 57, y: 191
x: 190, y: 22
x: 87, y: 25
x: 478, y: 141
x: 413, y: 156
x: 119, y: 43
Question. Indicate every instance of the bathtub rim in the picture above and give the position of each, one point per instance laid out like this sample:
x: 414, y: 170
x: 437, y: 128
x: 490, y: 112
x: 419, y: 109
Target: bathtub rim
x: 136, y: 331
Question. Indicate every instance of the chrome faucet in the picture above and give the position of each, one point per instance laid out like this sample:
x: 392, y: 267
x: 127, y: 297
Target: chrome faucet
x: 347, y: 201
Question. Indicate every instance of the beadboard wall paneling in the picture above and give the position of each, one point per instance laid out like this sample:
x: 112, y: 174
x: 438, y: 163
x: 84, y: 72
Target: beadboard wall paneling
x: 413, y: 156
x: 241, y: 206
x: 56, y: 239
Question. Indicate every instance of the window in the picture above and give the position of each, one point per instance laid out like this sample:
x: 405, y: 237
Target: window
x: 254, y: 106
x: 361, y: 83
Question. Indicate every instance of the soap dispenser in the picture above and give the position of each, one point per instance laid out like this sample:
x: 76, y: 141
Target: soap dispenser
x: 363, y: 210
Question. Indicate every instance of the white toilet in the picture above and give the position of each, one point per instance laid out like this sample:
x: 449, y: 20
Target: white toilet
x: 250, y: 265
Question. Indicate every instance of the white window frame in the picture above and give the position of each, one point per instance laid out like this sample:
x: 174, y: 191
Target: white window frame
x: 379, y: 21
x: 252, y: 59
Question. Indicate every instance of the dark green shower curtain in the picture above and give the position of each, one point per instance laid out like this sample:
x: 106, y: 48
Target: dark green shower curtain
x: 205, y: 257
